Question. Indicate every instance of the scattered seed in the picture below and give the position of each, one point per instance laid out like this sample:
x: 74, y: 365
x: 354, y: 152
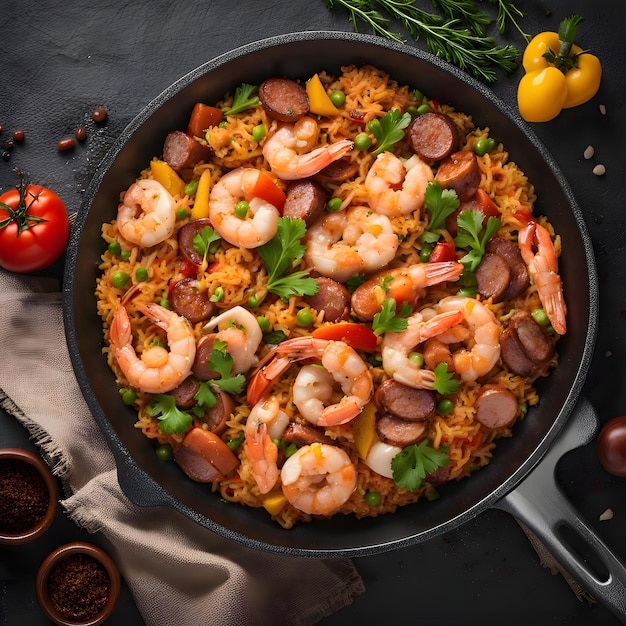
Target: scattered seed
x: 99, y: 114
x: 589, y: 152
x: 6, y: 156
x: 67, y: 143
x: 607, y: 515
x: 602, y: 109
x: 80, y: 133
x: 18, y: 134
x: 599, y: 169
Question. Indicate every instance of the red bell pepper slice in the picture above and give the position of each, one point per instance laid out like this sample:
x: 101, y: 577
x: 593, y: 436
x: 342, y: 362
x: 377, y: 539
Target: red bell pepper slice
x: 486, y: 204
x: 355, y: 335
x: 266, y: 189
x: 443, y: 251
x: 202, y: 117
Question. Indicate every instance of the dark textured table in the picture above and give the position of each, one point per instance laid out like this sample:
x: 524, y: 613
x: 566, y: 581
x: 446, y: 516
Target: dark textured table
x: 59, y: 61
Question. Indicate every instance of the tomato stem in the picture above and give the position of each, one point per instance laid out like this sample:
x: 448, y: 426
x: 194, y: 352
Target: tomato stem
x: 20, y: 213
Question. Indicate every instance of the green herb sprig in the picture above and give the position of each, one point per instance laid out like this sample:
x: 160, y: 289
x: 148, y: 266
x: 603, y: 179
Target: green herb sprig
x: 388, y: 129
x: 245, y: 98
x: 469, y: 236
x: 389, y: 320
x: 411, y: 466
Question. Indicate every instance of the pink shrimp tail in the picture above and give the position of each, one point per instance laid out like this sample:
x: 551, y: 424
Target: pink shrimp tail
x: 440, y: 272
x: 340, y: 413
x: 263, y: 454
x: 440, y: 323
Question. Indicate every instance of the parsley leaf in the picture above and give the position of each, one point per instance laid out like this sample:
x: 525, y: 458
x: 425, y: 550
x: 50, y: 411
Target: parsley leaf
x: 386, y: 321
x: 279, y: 253
x: 412, y: 465
x: 354, y: 281
x: 445, y: 382
x: 245, y: 98
x: 470, y: 225
x: 388, y: 129
x: 222, y: 363
x: 171, y: 418
x: 440, y: 203
x: 202, y: 243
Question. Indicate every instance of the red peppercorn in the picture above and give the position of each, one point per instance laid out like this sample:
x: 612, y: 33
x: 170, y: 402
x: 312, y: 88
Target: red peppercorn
x: 18, y: 134
x: 80, y: 133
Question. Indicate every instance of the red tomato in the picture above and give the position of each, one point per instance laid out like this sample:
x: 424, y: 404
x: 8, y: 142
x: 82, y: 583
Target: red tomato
x: 443, y: 251
x: 34, y: 228
x: 356, y: 335
x: 612, y: 446
x: 487, y: 206
x: 268, y: 190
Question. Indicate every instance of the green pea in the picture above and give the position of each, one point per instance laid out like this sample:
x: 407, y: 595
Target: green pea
x: 412, y: 111
x: 258, y: 132
x: 264, y: 323
x: 115, y: 248
x: 181, y: 213
x: 363, y: 142
x: 218, y: 294
x: 540, y: 316
x: 374, y: 126
x: 255, y: 301
x: 480, y: 146
x: 338, y: 98
x: 373, y: 498
x: 164, y: 452
x: 445, y: 406
x: 241, y: 209
x: 141, y: 273
x: 423, y: 108
x: 491, y: 144
x: 119, y: 279
x: 125, y: 255
x: 417, y: 358
x: 165, y: 303
x: 333, y: 205
x: 304, y: 317
x: 128, y: 396
x: 191, y: 187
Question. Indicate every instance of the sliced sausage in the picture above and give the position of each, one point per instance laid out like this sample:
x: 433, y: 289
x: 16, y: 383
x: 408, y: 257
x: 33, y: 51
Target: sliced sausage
x: 304, y: 435
x: 186, y: 236
x: 460, y: 172
x: 395, y: 431
x: 496, y: 406
x: 510, y: 252
x: 410, y: 404
x: 535, y: 339
x: 338, y: 171
x: 284, y: 99
x: 305, y: 200
x: 332, y: 298
x: 440, y: 476
x: 493, y: 276
x: 181, y: 151
x: 215, y: 417
x: 185, y: 392
x: 195, y: 466
x: 433, y: 136
x: 187, y: 300
x: 513, y: 354
x: 200, y: 368
x: 436, y: 351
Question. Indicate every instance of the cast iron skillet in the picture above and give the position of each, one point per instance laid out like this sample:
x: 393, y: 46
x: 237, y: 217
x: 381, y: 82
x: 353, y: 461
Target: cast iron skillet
x: 147, y: 481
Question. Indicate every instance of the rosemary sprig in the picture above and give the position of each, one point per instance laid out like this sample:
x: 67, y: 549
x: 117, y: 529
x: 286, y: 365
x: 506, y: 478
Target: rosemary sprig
x: 507, y: 13
x: 465, y: 11
x: 476, y: 54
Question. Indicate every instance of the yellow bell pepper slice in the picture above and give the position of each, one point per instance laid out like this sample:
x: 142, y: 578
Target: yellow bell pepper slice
x: 274, y: 502
x: 364, y: 429
x: 200, y: 207
x: 165, y: 174
x: 541, y: 94
x: 319, y: 101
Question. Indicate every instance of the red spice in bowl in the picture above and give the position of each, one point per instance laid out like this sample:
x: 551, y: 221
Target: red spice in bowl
x: 28, y: 496
x: 78, y: 585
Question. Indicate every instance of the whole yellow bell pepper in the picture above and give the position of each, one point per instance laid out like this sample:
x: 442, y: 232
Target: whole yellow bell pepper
x: 559, y: 74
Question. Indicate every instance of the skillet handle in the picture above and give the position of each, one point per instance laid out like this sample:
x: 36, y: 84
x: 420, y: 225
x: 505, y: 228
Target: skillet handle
x: 541, y: 505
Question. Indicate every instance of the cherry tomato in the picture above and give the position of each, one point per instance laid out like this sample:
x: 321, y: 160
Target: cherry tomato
x: 355, y: 335
x: 611, y: 446
x: 34, y: 228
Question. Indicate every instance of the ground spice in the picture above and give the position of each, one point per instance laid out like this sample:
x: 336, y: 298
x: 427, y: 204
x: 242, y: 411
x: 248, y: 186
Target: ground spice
x: 79, y: 587
x: 23, y: 496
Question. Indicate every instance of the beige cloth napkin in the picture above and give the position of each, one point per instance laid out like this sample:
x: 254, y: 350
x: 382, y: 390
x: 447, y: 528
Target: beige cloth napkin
x: 178, y: 572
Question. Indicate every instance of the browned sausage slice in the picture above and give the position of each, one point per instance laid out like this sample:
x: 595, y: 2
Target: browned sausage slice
x: 184, y: 394
x: 332, y: 298
x: 338, y: 171
x: 304, y: 435
x: 510, y: 252
x: 404, y: 402
x: 187, y: 300
x: 186, y: 236
x: 513, y: 354
x: 215, y: 417
x: 534, y: 338
x: 195, y: 466
x: 200, y: 368
x: 305, y: 200
x: 181, y: 151
x: 398, y: 432
x: 440, y: 476
x: 496, y: 406
x: 460, y: 172
x: 493, y: 276
x: 284, y: 99
x: 433, y: 136
x: 435, y: 352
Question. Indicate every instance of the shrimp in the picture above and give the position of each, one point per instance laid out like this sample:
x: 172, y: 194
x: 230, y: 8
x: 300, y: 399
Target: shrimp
x: 396, y: 348
x: 158, y: 370
x: 386, y: 174
x: 290, y: 154
x: 543, y: 268
x: 147, y: 214
x: 260, y: 223
x: 342, y: 363
x: 311, y: 391
x: 318, y: 479
x: 242, y: 334
x: 340, y: 245
x: 483, y: 338
x: 265, y: 423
